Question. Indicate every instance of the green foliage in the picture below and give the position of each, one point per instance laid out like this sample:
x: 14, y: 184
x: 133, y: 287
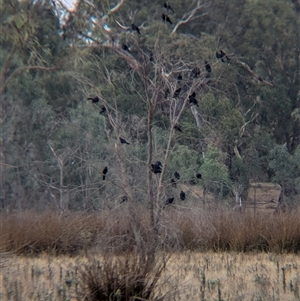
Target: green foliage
x: 44, y: 108
x: 286, y: 167
x: 185, y: 161
x: 214, y: 172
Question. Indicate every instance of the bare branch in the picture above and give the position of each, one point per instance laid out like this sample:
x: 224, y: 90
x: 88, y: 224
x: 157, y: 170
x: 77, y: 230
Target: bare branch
x: 19, y: 70
x: 123, y: 27
x: 246, y: 67
x: 116, y: 7
x: 189, y: 16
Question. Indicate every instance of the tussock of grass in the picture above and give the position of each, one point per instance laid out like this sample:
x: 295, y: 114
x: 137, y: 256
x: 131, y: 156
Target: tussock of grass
x: 121, y: 230
x: 127, y: 277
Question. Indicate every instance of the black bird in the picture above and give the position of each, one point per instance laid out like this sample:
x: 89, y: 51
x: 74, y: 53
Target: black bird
x: 123, y: 141
x: 179, y: 78
x: 94, y: 99
x: 182, y: 195
x: 224, y: 54
x: 135, y: 28
x: 176, y: 175
x: 103, y: 110
x: 199, y: 176
x: 166, y: 93
x: 64, y: 32
x: 193, y: 100
x: 207, y: 66
x: 104, y: 172
x: 169, y: 201
x: 156, y: 167
x: 195, y: 72
x: 221, y: 56
x: 173, y: 182
x: 178, y: 128
x: 151, y: 58
x: 177, y: 92
x: 125, y: 47
x: 124, y: 199
x: 168, y: 7
x: 166, y: 18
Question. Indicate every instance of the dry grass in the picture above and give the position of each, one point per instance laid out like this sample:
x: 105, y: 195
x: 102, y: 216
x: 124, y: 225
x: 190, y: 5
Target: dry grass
x: 187, y: 276
x: 195, y: 240
x: 126, y: 228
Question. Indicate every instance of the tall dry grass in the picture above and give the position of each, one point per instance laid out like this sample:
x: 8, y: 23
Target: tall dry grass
x: 128, y: 228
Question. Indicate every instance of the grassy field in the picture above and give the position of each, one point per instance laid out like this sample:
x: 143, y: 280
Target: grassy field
x: 201, y: 254
x: 187, y: 276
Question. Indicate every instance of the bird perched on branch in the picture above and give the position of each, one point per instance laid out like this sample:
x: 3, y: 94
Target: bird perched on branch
x: 135, y: 28
x: 166, y: 18
x: 156, y: 167
x: 168, y: 6
x: 193, y: 100
x: 104, y: 172
x: 178, y: 128
x: 195, y: 72
x: 151, y: 57
x: 182, y: 195
x: 94, y: 99
x: 177, y: 92
x: 199, y: 176
x: 176, y: 175
x: 123, y: 141
x: 179, y: 78
x: 167, y: 93
x: 169, y: 201
x: 221, y: 55
x: 124, y: 199
x: 207, y: 66
x: 125, y: 47
x: 103, y: 110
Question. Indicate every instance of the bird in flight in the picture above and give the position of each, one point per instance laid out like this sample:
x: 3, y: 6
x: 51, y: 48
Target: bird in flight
x: 166, y: 18
x: 135, y: 28
x: 94, y: 99
x: 104, y: 172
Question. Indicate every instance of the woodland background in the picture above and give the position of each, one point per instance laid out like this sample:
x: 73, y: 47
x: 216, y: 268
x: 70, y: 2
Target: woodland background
x: 55, y: 143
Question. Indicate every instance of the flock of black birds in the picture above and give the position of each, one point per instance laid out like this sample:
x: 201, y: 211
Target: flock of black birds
x: 156, y: 167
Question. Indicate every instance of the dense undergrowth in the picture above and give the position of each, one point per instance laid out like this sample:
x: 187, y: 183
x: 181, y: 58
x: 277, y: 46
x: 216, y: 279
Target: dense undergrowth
x: 114, y: 231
